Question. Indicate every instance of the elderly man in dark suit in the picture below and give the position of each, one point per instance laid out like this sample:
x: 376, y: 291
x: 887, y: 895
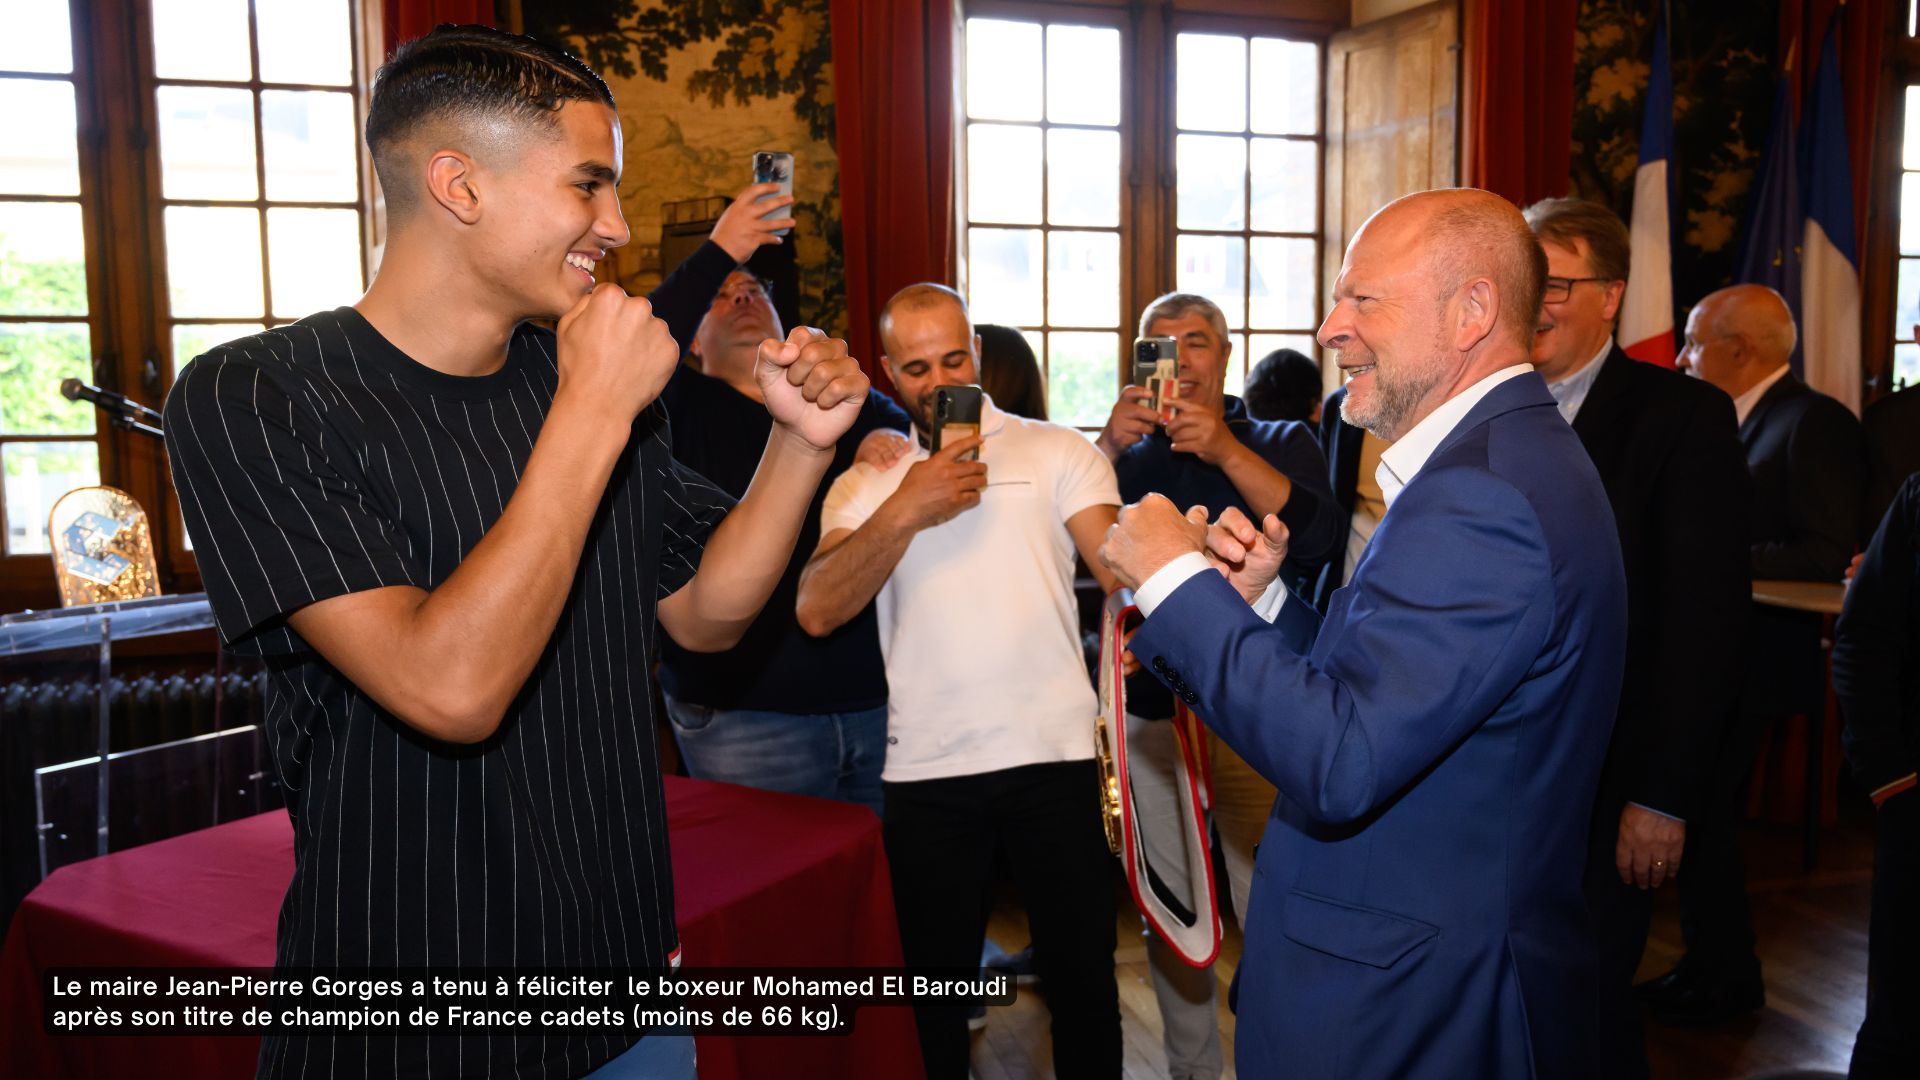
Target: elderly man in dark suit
x: 1417, y: 908
x: 1669, y: 455
x: 1804, y: 461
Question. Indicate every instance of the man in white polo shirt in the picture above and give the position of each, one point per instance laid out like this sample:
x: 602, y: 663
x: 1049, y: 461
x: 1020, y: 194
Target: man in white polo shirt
x: 990, y: 712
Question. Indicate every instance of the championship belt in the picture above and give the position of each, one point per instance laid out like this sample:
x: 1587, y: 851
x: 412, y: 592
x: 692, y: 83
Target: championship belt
x: 1187, y: 920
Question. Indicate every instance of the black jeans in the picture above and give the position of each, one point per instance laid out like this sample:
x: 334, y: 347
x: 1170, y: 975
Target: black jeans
x: 941, y: 836
x: 1715, y: 921
x: 1889, y: 1042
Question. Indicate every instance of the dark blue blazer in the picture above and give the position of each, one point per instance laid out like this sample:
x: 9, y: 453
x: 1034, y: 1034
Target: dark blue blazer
x: 1417, y: 907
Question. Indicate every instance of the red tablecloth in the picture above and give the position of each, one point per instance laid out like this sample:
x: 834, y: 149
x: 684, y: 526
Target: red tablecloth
x: 759, y: 880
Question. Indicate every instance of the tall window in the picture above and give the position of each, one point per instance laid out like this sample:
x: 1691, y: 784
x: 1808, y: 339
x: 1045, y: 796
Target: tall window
x: 259, y: 164
x: 1088, y: 192
x: 48, y: 445
x: 1906, y: 354
x: 1043, y: 199
x: 1247, y: 163
x: 177, y: 173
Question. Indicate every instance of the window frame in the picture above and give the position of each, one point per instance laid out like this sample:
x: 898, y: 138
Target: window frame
x: 129, y: 316
x: 1899, y: 69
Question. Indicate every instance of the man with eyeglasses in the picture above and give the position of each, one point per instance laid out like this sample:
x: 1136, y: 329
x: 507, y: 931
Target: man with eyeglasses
x: 1666, y: 449
x: 782, y: 710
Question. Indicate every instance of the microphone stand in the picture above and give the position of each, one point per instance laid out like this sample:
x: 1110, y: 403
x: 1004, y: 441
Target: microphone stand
x: 123, y: 412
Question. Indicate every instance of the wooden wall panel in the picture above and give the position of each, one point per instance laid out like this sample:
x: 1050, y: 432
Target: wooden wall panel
x: 1392, y: 120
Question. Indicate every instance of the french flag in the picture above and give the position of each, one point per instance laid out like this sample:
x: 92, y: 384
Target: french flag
x: 1646, y: 313
x: 1829, y: 260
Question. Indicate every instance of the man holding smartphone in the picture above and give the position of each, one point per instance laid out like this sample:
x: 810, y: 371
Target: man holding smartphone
x: 1211, y: 454
x: 990, y: 712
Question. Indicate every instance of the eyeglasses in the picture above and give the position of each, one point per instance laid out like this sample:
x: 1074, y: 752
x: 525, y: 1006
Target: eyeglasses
x: 1557, y: 289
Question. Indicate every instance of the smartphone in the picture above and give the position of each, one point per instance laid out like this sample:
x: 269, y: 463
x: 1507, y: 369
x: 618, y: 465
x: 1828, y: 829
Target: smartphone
x: 775, y: 167
x: 956, y: 415
x: 1156, y: 369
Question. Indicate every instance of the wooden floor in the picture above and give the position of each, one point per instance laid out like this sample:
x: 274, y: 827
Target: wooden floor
x: 1813, y: 951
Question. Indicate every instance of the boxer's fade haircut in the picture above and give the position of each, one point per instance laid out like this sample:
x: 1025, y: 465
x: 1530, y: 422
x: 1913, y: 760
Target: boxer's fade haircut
x: 464, y: 74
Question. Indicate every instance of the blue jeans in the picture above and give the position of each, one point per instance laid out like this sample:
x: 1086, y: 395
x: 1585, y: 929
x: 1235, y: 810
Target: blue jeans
x: 662, y: 1055
x: 826, y: 755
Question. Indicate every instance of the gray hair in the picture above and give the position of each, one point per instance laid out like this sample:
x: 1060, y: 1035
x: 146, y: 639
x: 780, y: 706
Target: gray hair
x: 1176, y: 304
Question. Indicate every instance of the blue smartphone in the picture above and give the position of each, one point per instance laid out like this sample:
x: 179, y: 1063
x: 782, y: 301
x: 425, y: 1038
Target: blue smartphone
x: 775, y: 167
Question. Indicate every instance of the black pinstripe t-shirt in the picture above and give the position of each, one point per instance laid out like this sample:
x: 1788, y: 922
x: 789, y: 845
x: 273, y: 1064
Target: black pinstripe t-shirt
x: 316, y: 459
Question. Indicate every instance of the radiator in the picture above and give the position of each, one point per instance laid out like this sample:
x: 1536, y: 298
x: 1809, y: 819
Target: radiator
x: 186, y: 753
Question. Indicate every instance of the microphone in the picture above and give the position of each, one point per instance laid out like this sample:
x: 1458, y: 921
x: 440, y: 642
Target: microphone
x: 119, y: 404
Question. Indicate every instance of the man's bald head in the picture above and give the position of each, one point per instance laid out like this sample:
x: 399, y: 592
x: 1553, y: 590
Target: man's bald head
x: 1759, y: 315
x: 925, y: 296
x: 1466, y: 234
x: 1438, y: 290
x: 1738, y: 336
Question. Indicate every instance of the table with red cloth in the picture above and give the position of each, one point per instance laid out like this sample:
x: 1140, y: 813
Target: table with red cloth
x: 760, y: 880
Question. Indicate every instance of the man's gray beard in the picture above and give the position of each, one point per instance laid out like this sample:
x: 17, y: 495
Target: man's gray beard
x: 1394, y: 399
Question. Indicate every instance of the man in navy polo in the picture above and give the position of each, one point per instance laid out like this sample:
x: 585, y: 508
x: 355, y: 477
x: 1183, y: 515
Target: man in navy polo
x: 1211, y: 453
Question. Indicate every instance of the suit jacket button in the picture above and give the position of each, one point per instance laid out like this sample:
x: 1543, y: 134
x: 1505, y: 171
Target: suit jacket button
x: 1160, y: 664
x: 1189, y: 697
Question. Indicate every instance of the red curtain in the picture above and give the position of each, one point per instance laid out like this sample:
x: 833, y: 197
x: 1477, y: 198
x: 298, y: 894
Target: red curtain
x: 1862, y: 26
x: 1518, y: 82
x: 894, y: 66
x: 404, y: 20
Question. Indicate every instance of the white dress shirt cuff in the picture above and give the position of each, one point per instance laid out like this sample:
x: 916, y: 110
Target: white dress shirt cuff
x: 1659, y: 813
x: 1270, y: 602
x: 1155, y: 590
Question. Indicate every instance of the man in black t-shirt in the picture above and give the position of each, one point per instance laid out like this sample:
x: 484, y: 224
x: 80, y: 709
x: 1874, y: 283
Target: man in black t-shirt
x: 455, y: 536
x: 782, y: 710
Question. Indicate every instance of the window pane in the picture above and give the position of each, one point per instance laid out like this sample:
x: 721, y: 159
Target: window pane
x: 37, y: 38
x: 1286, y: 86
x: 304, y: 41
x: 1083, y: 278
x: 201, y: 39
x: 34, y: 358
x: 1285, y: 185
x: 315, y: 257
x: 206, y: 143
x: 1082, y: 377
x: 1906, y: 366
x: 43, y: 266
x: 1912, y: 153
x: 1083, y: 177
x: 1003, y: 173
x: 1003, y: 275
x: 1280, y: 294
x: 1003, y: 70
x: 310, y: 145
x: 192, y: 339
x: 213, y: 261
x: 39, y: 155
x: 1910, y: 214
x: 1083, y: 75
x: 1216, y: 268
x: 1210, y: 91
x: 37, y: 474
x: 1211, y: 178
x: 1906, y: 310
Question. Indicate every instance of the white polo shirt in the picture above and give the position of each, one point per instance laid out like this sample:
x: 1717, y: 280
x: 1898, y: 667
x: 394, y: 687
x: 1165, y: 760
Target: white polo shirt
x: 978, y: 624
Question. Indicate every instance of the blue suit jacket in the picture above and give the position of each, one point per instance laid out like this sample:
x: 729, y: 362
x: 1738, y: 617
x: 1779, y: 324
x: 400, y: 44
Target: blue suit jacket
x: 1417, y: 908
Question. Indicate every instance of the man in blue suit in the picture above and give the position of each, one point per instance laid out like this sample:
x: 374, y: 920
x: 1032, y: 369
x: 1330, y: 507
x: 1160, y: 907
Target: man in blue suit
x: 1436, y: 742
